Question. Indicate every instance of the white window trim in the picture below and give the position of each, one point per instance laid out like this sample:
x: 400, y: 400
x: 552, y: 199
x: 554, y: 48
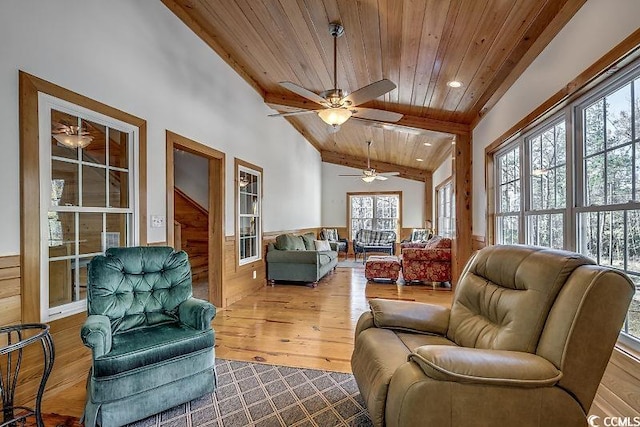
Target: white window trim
x: 45, y: 104
x: 258, y: 216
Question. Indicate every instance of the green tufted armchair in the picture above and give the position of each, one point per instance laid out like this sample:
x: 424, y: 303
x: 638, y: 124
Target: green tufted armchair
x: 151, y: 342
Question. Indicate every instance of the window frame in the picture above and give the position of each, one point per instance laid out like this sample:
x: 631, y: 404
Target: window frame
x: 573, y: 111
x: 246, y: 167
x: 46, y: 104
x: 30, y: 229
x: 373, y: 194
x: 447, y: 188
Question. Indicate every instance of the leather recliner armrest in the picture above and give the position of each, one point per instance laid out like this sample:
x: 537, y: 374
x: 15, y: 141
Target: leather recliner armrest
x: 197, y: 313
x: 481, y: 366
x: 96, y: 334
x: 410, y: 316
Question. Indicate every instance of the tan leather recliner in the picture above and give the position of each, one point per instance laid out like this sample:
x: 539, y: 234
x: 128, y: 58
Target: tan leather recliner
x: 525, y: 343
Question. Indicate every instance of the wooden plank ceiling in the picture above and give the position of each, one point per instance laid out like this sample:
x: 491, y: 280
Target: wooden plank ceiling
x: 420, y: 45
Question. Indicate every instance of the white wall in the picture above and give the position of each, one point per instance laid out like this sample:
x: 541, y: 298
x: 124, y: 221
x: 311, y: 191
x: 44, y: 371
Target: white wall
x: 597, y: 27
x: 138, y: 57
x: 192, y: 176
x: 335, y: 188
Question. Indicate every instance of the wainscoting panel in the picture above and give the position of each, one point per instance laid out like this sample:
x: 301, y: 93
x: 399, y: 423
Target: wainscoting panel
x: 238, y: 280
x: 10, y: 311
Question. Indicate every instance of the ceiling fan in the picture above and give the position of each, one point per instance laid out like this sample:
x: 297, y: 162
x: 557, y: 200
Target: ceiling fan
x: 339, y: 105
x: 369, y: 174
x: 70, y: 136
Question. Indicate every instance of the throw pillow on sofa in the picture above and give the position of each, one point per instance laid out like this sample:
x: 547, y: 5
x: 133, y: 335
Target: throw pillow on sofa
x: 322, y: 245
x: 309, y: 239
x: 290, y: 242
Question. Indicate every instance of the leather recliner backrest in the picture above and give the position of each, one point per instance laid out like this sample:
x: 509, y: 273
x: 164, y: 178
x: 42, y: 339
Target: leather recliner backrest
x: 583, y: 327
x: 504, y: 296
x: 138, y: 286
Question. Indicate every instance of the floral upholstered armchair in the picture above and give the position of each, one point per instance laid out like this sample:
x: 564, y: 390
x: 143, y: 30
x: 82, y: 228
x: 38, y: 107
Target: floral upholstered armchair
x: 429, y: 264
x: 337, y: 244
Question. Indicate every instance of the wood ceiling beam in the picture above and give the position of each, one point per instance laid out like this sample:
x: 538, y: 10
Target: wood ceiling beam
x: 551, y: 19
x: 361, y: 163
x: 289, y: 103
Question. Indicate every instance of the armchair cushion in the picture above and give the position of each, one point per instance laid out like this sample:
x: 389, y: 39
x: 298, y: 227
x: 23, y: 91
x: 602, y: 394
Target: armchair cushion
x: 196, y: 313
x: 492, y: 367
x: 410, y: 316
x: 96, y: 334
x: 147, y: 346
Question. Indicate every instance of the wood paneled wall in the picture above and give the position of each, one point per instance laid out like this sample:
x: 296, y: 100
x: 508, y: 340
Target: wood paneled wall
x: 72, y: 359
x: 10, y: 290
x: 238, y: 280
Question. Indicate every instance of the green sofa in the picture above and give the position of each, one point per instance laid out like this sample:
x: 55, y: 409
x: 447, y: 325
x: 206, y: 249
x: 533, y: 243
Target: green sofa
x: 152, y: 343
x: 294, y: 258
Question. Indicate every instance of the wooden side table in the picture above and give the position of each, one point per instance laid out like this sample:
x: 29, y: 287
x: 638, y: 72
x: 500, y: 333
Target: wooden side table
x: 13, y: 340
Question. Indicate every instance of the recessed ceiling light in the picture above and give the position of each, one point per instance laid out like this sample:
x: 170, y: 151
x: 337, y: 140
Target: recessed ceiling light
x: 419, y: 160
x: 428, y: 144
x: 454, y: 83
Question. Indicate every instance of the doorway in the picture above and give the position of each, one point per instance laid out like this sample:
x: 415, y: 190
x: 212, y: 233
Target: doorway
x: 195, y: 211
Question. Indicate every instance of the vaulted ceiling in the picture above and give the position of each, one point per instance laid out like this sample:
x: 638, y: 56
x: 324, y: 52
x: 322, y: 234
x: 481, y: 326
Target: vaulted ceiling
x: 420, y: 45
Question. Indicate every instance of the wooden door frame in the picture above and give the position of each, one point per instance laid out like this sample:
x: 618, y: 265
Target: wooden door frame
x: 216, y: 206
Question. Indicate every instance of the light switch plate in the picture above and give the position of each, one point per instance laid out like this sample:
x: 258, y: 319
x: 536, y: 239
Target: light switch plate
x: 157, y: 221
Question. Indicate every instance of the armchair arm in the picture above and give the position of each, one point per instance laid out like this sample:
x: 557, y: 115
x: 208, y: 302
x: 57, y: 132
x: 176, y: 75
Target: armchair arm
x: 481, y: 366
x: 410, y: 316
x: 96, y: 334
x: 196, y: 313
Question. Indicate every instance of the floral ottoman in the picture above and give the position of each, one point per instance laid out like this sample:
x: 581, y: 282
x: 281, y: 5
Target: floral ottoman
x: 382, y: 267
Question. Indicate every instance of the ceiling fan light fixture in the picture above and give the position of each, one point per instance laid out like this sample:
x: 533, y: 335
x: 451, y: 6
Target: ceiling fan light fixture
x: 334, y: 116
x: 369, y: 178
x: 73, y: 140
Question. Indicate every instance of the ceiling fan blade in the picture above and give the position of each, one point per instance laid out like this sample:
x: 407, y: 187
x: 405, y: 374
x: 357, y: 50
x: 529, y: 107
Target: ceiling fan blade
x: 305, y: 93
x: 350, y: 175
x: 381, y: 177
x: 378, y: 115
x: 292, y: 113
x: 389, y: 174
x: 370, y: 92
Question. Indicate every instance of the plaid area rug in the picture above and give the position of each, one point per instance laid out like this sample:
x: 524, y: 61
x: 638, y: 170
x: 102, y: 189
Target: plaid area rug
x: 253, y: 394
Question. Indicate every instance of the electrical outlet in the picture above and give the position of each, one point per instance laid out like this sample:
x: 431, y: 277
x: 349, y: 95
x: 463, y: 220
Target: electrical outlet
x: 157, y: 221
x: 255, y: 274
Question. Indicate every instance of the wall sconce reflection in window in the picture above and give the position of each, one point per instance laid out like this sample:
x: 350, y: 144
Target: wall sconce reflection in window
x: 244, y: 181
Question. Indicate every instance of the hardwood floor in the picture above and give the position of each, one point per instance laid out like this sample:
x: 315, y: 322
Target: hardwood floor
x: 292, y: 325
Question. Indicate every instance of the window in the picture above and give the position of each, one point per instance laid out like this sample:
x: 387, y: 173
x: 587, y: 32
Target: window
x: 547, y: 186
x: 249, y: 212
x: 600, y: 218
x: 374, y: 211
x: 88, y: 198
x: 508, y: 197
x: 446, y: 210
x: 608, y: 208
